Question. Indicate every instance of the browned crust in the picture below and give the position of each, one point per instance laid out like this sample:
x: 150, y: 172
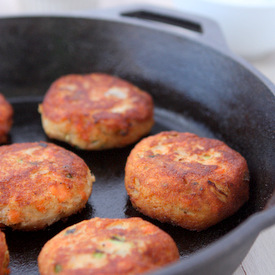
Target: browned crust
x: 6, y: 114
x: 108, y: 246
x: 4, y: 255
x: 40, y: 179
x: 78, y: 105
x: 186, y: 180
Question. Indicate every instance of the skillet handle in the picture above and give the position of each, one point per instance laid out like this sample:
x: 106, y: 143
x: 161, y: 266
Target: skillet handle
x: 196, y: 27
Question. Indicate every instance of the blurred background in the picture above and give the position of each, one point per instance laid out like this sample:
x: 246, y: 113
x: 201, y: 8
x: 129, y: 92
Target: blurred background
x: 248, y: 27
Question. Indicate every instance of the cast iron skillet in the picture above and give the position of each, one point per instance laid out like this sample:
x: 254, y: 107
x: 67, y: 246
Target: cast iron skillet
x: 197, y: 85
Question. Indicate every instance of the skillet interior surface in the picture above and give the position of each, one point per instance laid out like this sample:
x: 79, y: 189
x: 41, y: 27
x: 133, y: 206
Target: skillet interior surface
x: 109, y: 198
x: 195, y: 89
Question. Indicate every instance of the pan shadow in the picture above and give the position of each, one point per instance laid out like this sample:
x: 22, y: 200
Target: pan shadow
x: 189, y: 242
x: 24, y: 247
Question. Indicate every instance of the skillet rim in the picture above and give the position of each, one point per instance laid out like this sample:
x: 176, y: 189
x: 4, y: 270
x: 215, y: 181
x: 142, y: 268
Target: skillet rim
x: 254, y: 223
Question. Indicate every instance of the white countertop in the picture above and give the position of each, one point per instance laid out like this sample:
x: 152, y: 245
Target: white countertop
x: 261, y: 257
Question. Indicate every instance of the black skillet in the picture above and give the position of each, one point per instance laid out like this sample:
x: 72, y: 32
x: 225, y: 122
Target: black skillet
x: 197, y: 85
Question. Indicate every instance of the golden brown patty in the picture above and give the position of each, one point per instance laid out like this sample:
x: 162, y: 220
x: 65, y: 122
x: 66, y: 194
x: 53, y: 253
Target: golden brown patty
x: 41, y: 183
x: 186, y: 180
x: 4, y: 255
x: 6, y: 113
x: 96, y: 111
x: 107, y: 246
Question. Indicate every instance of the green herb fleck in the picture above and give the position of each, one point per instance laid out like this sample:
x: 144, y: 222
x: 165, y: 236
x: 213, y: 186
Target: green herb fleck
x: 98, y: 254
x: 70, y: 231
x: 117, y: 238
x: 206, y: 156
x: 69, y: 176
x: 43, y: 144
x: 123, y: 132
x: 57, y: 268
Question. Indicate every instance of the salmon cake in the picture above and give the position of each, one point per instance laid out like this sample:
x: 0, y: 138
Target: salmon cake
x: 4, y: 255
x: 108, y: 246
x: 96, y: 111
x: 6, y: 114
x: 41, y: 183
x: 190, y: 181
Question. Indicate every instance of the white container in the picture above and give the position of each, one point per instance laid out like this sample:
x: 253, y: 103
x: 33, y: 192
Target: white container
x: 55, y: 6
x: 248, y: 26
